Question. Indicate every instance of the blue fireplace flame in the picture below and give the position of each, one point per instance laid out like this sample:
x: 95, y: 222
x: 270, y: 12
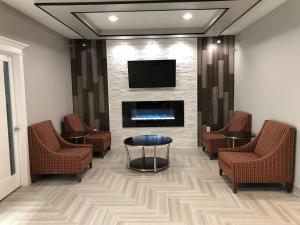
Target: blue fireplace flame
x: 152, y: 115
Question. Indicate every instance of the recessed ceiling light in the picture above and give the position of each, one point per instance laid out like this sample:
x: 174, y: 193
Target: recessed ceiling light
x: 113, y: 18
x: 219, y: 41
x: 187, y: 16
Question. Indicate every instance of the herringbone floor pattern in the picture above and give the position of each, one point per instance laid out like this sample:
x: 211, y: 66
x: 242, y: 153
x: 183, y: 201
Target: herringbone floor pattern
x: 190, y: 192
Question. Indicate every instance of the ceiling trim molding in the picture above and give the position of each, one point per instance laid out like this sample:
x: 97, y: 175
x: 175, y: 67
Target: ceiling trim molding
x: 240, y: 17
x: 94, y: 30
x: 121, y: 2
x: 39, y: 6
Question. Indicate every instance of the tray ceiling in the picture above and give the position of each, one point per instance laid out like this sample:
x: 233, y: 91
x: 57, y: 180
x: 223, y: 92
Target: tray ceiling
x: 152, y: 20
x: 146, y: 18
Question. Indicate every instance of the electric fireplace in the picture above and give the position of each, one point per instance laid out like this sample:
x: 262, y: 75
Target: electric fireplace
x: 153, y: 114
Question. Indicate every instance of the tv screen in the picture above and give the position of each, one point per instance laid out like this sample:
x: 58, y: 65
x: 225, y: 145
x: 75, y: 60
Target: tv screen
x: 152, y: 73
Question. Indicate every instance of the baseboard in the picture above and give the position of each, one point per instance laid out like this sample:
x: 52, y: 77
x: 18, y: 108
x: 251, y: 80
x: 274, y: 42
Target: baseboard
x: 296, y: 191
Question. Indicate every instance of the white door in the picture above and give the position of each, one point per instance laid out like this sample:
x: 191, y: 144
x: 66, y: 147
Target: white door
x: 9, y: 158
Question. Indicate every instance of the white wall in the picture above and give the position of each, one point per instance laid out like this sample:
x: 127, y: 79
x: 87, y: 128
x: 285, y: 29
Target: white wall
x: 185, y: 53
x: 47, y: 66
x: 267, y: 72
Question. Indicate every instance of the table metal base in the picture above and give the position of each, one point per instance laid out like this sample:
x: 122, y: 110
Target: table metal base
x: 147, y: 164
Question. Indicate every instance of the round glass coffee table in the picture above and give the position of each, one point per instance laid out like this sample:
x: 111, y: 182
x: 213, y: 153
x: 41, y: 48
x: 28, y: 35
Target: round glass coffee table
x: 152, y: 163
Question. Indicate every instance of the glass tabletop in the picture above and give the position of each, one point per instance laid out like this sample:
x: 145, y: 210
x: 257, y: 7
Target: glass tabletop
x: 74, y: 134
x: 148, y: 140
x: 237, y: 134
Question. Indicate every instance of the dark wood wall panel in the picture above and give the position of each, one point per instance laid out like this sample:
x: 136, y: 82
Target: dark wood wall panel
x: 89, y: 82
x: 215, y: 82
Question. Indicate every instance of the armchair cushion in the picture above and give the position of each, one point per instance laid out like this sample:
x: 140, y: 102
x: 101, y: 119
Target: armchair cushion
x: 106, y: 136
x: 82, y: 152
x: 231, y: 157
x: 100, y: 140
x: 213, y: 136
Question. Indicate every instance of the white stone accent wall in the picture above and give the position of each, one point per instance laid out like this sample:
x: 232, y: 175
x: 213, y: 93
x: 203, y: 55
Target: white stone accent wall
x: 185, y: 52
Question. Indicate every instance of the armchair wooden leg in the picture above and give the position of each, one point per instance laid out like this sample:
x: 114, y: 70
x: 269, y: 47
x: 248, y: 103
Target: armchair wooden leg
x: 91, y: 165
x: 34, y: 178
x: 101, y: 154
x: 203, y: 148
x: 221, y: 172
x: 234, y: 187
x: 79, y: 176
x: 289, y: 187
x: 211, y: 155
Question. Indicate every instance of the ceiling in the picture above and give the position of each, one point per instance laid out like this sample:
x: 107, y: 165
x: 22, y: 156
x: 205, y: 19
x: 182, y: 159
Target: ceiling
x: 152, y: 20
x: 144, y: 18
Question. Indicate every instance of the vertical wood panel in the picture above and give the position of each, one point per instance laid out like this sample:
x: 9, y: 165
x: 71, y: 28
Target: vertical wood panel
x: 220, y: 78
x: 89, y: 82
x: 203, y: 67
x: 216, y: 88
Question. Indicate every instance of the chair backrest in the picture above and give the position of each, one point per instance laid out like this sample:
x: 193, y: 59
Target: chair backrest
x: 241, y: 121
x: 271, y: 136
x: 47, y: 134
x: 73, y: 123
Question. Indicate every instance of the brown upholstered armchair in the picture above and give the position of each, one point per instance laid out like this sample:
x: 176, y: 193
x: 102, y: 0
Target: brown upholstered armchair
x: 100, y: 140
x: 50, y: 154
x: 212, y: 141
x: 269, y: 158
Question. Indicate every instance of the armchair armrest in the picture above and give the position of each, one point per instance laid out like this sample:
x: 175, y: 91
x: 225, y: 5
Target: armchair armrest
x: 221, y: 131
x: 92, y: 130
x: 271, y: 160
x: 98, y: 132
x: 224, y: 129
x: 89, y: 129
x: 216, y: 132
x: 40, y: 155
x: 254, y: 171
x: 65, y: 144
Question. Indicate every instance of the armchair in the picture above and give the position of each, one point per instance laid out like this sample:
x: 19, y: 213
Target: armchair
x: 269, y: 158
x: 51, y: 154
x: 212, y: 141
x: 100, y: 140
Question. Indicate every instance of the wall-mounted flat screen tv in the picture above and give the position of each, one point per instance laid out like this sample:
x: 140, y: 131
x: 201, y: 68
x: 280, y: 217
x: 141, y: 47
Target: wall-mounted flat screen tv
x: 152, y: 73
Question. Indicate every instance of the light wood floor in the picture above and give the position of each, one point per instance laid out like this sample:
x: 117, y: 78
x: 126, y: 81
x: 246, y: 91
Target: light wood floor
x: 190, y: 192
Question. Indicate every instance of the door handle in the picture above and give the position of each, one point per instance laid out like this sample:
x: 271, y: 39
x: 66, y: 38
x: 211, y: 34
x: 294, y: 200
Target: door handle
x: 17, y: 128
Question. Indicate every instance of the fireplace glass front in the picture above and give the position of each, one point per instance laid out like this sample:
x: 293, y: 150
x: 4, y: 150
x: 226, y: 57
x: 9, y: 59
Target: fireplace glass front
x: 153, y: 113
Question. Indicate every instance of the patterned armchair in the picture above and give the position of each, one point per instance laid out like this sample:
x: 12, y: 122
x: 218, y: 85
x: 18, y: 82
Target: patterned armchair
x: 50, y: 154
x: 269, y: 158
x: 212, y: 141
x: 100, y: 140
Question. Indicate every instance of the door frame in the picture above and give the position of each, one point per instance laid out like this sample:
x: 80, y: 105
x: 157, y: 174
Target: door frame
x: 15, y: 50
